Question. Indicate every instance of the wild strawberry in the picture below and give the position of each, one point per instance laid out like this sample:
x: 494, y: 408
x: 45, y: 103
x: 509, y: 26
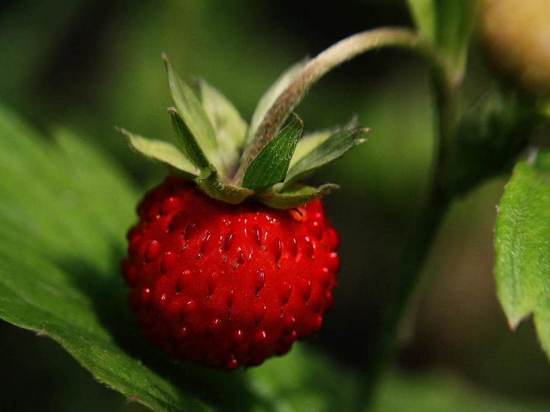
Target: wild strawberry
x: 224, y: 284
x: 237, y: 264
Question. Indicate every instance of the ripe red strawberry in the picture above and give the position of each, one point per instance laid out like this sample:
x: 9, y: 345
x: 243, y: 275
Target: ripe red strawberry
x: 228, y: 285
x: 233, y: 261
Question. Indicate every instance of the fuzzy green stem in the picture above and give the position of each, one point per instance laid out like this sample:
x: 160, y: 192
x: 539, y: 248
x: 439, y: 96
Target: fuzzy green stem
x: 329, y: 59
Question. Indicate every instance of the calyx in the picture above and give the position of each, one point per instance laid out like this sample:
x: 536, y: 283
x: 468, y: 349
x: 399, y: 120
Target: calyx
x: 211, y: 136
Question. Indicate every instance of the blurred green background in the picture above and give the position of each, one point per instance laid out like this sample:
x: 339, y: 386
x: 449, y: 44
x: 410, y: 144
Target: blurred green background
x: 91, y: 65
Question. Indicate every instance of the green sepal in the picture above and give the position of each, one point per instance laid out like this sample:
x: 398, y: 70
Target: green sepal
x: 215, y: 188
x: 330, y: 149
x: 229, y: 126
x: 312, y: 140
x: 193, y: 114
x: 210, y: 138
x: 188, y: 143
x: 295, y: 196
x: 308, y: 142
x: 162, y: 151
x: 269, y: 97
x: 271, y: 164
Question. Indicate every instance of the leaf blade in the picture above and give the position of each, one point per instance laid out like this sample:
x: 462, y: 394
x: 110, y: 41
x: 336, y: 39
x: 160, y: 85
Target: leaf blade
x: 522, y: 246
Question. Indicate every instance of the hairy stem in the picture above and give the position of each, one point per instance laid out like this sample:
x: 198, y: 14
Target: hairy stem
x: 332, y: 57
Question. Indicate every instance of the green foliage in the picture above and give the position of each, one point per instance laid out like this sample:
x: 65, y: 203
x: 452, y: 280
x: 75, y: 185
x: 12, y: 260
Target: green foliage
x: 489, y: 136
x: 327, y: 151
x: 229, y: 126
x: 423, y: 12
x: 522, y: 243
x: 448, y: 25
x: 189, y: 144
x: 308, y: 142
x: 294, y: 196
x: 64, y: 209
x: 269, y: 97
x: 162, y: 151
x: 194, y: 116
x: 455, y: 22
x: 271, y: 164
x: 267, y: 168
x: 218, y: 189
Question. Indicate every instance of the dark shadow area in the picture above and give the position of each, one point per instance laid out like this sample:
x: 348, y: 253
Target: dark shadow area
x: 28, y: 383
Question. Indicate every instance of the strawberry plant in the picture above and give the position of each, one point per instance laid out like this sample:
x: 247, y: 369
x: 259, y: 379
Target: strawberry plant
x: 194, y: 295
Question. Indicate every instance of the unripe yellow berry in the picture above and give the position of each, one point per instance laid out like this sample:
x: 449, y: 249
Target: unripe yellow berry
x: 517, y: 35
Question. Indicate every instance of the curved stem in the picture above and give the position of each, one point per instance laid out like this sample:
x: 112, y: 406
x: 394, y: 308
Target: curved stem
x: 418, y: 246
x: 419, y: 243
x: 332, y: 57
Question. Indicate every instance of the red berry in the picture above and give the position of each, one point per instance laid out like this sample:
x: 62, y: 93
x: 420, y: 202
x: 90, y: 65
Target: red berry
x: 227, y: 285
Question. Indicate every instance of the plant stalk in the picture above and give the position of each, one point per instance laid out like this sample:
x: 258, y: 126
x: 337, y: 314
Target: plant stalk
x: 329, y: 59
x: 418, y: 245
x: 446, y: 87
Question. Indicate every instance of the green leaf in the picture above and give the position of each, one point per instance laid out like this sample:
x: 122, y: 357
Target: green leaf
x: 188, y: 143
x: 455, y: 24
x: 330, y: 149
x: 191, y: 110
x: 229, y: 126
x: 271, y: 164
x: 522, y: 244
x: 294, y: 196
x: 64, y: 211
x: 269, y: 97
x: 447, y: 24
x: 162, y: 151
x: 424, y: 17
